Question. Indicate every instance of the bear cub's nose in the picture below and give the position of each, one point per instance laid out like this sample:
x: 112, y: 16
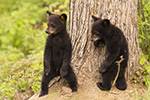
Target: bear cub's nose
x: 46, y: 31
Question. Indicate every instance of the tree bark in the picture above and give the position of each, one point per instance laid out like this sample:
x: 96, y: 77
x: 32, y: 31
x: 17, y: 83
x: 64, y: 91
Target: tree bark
x: 86, y: 59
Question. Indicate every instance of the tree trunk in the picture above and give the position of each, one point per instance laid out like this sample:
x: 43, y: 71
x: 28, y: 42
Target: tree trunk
x: 86, y: 59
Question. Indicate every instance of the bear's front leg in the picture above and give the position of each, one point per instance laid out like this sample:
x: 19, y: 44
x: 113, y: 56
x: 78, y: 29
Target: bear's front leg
x: 64, y: 69
x: 66, y: 62
x: 47, y: 71
x: 47, y: 59
x: 103, y: 68
x: 63, y: 72
x: 110, y: 59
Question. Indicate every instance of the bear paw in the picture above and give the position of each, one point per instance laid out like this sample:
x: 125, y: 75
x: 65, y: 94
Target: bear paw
x: 43, y: 93
x: 74, y: 89
x: 63, y: 73
x: 96, y: 43
x: 99, y: 84
x: 121, y: 87
x: 102, y: 69
x: 47, y: 71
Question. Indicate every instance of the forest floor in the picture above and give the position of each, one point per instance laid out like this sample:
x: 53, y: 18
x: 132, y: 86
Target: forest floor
x: 59, y: 91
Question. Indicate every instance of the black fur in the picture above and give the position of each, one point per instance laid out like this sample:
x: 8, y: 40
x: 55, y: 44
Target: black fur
x: 57, y: 54
x: 116, y: 46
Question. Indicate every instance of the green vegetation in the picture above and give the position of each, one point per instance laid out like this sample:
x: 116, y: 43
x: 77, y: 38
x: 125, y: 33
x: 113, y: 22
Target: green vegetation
x: 144, y: 27
x: 22, y: 39
x: 144, y: 38
x: 143, y: 73
x: 145, y: 97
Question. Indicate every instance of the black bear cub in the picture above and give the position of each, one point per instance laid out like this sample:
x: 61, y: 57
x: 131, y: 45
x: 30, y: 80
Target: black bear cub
x: 116, y: 46
x: 57, y: 54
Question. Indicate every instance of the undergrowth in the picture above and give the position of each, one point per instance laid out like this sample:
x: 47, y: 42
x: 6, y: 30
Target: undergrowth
x: 22, y: 40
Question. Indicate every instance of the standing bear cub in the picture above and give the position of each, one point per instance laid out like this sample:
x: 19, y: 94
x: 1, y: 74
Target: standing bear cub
x: 116, y: 46
x: 57, y: 54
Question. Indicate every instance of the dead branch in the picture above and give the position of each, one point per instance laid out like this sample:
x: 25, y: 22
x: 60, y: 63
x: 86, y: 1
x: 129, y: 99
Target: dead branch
x: 118, y: 63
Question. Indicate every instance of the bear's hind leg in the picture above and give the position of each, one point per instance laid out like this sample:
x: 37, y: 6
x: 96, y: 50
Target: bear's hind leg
x: 106, y: 84
x: 71, y: 79
x: 44, y: 84
x: 121, y: 83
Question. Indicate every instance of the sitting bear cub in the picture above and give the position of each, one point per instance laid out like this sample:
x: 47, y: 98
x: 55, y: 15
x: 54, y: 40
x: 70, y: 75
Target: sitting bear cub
x: 116, y: 46
x: 57, y: 54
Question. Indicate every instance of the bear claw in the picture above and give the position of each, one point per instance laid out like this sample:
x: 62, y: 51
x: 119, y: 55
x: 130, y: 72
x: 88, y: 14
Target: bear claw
x: 74, y: 90
x: 99, y: 84
x: 43, y: 93
x: 121, y: 87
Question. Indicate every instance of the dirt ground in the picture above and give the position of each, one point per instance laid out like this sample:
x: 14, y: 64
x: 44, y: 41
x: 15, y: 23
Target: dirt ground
x: 60, y: 91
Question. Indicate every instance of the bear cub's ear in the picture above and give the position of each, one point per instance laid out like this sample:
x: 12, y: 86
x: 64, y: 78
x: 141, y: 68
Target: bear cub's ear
x: 48, y: 13
x: 105, y: 22
x: 63, y: 17
x: 95, y: 18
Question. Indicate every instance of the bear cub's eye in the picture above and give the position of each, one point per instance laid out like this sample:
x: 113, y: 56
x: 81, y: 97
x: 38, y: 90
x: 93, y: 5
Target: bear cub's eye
x: 52, y: 25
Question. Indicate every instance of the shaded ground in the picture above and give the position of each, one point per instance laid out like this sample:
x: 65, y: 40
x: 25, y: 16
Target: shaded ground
x: 59, y: 91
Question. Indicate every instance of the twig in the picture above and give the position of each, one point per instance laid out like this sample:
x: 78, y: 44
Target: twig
x: 118, y: 63
x: 112, y: 92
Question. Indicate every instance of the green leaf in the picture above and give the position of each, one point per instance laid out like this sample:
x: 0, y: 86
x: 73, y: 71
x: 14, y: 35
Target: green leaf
x: 12, y: 30
x: 142, y: 61
x: 44, y: 25
x: 141, y: 36
x: 147, y: 67
x: 148, y: 36
x: 32, y: 21
x: 140, y: 40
